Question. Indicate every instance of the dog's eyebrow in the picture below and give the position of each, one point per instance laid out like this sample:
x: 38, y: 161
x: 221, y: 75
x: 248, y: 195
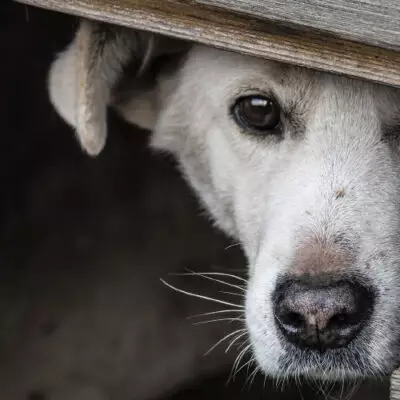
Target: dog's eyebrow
x: 246, y: 89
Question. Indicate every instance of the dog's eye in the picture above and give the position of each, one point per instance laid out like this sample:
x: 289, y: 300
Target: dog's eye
x: 257, y: 113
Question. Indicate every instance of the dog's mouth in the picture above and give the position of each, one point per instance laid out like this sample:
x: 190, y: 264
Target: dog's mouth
x: 333, y: 364
x: 353, y: 362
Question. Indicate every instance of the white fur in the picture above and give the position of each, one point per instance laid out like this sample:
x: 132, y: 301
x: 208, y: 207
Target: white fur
x: 63, y: 83
x: 274, y: 195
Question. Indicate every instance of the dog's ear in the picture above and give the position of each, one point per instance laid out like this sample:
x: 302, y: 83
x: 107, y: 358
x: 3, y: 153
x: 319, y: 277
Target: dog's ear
x: 84, y: 77
x: 140, y: 99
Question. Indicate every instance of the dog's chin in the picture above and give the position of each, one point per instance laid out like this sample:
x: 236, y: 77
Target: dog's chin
x: 331, y: 365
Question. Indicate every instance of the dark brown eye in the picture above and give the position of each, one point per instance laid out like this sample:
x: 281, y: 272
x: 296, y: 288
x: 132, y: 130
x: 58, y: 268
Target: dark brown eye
x: 257, y: 113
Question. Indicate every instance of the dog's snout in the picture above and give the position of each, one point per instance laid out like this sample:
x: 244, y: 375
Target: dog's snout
x: 321, y: 315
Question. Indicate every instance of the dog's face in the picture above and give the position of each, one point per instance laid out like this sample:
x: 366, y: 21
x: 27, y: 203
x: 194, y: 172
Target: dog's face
x: 303, y: 169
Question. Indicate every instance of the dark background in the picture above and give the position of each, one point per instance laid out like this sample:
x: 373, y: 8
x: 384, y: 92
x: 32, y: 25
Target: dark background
x: 48, y: 185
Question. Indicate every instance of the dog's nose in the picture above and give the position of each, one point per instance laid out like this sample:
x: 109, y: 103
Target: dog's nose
x: 319, y: 315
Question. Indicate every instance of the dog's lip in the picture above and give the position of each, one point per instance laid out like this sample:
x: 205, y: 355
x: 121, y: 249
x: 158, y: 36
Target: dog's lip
x: 333, y: 364
x: 328, y: 372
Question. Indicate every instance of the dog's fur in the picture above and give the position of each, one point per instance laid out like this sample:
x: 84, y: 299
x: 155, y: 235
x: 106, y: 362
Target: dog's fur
x: 326, y: 189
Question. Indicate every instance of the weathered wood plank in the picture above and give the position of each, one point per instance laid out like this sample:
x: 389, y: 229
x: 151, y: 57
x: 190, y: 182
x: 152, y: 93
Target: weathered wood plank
x: 395, y: 385
x: 373, y: 22
x: 222, y: 29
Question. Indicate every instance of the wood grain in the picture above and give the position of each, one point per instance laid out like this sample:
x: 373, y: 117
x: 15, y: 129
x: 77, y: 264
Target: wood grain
x: 367, y: 21
x: 207, y: 25
x: 395, y: 385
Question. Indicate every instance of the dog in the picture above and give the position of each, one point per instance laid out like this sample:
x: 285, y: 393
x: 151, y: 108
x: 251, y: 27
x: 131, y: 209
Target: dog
x: 302, y: 168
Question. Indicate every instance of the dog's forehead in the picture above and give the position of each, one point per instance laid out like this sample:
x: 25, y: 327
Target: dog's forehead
x: 231, y: 73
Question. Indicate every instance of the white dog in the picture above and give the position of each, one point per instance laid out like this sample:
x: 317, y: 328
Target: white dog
x: 302, y: 168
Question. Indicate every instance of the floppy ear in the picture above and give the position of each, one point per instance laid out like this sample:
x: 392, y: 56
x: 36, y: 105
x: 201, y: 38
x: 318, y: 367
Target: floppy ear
x: 84, y: 77
x: 141, y: 99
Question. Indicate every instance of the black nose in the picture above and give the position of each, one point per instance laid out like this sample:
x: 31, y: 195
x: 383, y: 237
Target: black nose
x: 321, y: 315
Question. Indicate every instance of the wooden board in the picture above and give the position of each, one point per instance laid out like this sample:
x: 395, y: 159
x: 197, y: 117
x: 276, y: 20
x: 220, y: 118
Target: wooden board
x: 374, y: 22
x: 211, y: 26
x: 395, y: 386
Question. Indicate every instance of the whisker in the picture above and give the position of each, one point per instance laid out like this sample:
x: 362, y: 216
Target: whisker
x: 245, y: 343
x: 199, y: 296
x: 342, y: 388
x: 265, y: 383
x: 211, y: 273
x: 232, y: 245
x: 223, y: 269
x: 238, y: 359
x: 353, y: 390
x: 210, y: 278
x: 298, y: 387
x: 233, y: 293
x: 223, y: 339
x: 214, y: 313
x: 234, y: 341
x: 218, y: 320
x: 246, y: 364
x: 251, y: 377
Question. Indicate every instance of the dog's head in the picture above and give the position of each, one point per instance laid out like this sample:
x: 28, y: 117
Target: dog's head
x: 304, y: 169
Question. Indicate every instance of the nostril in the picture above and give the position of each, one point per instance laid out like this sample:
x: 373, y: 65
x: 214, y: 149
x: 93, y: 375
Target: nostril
x: 338, y: 321
x: 344, y: 320
x: 293, y: 320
